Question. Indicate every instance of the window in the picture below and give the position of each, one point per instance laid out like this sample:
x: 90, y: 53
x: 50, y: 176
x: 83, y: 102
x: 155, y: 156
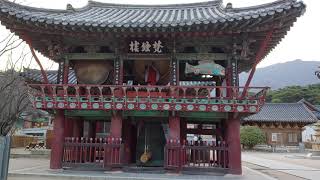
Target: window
x: 274, y: 137
x: 292, y: 137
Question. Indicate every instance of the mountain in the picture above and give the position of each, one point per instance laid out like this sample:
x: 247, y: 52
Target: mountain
x: 279, y: 75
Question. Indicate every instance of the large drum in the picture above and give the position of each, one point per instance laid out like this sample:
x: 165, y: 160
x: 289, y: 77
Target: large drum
x: 92, y: 72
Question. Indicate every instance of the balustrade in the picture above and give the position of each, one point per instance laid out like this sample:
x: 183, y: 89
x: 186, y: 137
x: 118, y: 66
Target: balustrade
x: 100, y: 152
x: 196, y: 154
x: 177, y: 98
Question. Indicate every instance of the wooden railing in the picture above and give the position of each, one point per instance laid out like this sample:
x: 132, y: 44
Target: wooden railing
x: 177, y: 98
x: 99, y: 152
x: 195, y: 155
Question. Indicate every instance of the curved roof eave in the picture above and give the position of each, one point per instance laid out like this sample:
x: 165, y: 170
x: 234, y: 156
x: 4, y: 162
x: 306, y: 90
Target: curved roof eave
x: 104, y: 15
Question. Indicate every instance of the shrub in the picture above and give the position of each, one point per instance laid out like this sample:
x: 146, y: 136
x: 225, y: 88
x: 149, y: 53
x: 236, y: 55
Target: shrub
x: 251, y: 136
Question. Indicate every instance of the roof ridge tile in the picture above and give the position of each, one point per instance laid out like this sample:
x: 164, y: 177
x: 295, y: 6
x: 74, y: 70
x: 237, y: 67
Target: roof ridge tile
x: 192, y: 5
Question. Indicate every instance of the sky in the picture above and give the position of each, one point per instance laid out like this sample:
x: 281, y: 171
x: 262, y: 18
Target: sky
x: 301, y: 42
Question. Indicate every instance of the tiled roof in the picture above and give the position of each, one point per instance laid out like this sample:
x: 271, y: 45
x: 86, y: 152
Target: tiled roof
x: 317, y: 114
x: 315, y: 109
x: 105, y: 15
x: 36, y: 76
x: 283, y: 112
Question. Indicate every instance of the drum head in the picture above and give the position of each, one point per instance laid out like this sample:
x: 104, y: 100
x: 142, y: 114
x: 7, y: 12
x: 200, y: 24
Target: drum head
x: 92, y: 72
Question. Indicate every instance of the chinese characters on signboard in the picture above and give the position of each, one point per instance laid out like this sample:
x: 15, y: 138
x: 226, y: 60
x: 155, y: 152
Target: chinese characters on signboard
x: 145, y: 47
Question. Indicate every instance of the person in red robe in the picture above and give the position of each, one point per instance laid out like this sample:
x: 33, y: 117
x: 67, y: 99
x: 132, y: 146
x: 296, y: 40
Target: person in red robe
x: 151, y: 75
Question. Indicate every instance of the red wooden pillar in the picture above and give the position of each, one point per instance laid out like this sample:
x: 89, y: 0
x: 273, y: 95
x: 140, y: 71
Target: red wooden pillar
x: 116, y: 125
x: 113, y: 154
x: 78, y: 128
x: 173, y: 156
x: 233, y: 141
x: 174, y: 127
x: 57, y: 141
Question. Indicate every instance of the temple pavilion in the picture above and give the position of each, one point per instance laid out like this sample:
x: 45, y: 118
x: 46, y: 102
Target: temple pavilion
x: 150, y: 86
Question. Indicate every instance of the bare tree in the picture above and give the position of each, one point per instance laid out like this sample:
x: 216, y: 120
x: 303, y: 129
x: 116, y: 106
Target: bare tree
x: 13, y: 90
x: 13, y: 99
x: 9, y: 43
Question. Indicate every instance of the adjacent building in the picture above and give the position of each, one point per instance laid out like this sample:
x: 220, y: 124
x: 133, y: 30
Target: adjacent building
x: 283, y: 123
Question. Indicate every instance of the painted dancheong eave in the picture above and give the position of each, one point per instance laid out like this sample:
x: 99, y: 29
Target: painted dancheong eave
x: 146, y: 98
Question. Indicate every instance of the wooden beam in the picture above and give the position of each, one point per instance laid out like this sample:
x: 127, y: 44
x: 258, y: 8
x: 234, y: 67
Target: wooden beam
x: 44, y: 74
x: 258, y: 58
x: 90, y: 56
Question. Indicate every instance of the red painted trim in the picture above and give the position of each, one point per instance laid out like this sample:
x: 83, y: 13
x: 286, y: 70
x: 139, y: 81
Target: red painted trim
x: 143, y: 86
x: 60, y: 101
x: 258, y: 58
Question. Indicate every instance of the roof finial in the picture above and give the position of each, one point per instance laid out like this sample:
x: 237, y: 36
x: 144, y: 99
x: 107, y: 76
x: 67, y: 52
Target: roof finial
x: 70, y: 7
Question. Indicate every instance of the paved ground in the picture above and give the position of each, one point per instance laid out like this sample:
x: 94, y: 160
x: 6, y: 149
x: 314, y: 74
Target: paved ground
x: 37, y: 169
x: 49, y: 175
x: 23, y: 164
x: 256, y: 165
x: 20, y: 151
x: 293, y: 158
x: 271, y: 172
x: 23, y: 153
x: 285, y: 163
